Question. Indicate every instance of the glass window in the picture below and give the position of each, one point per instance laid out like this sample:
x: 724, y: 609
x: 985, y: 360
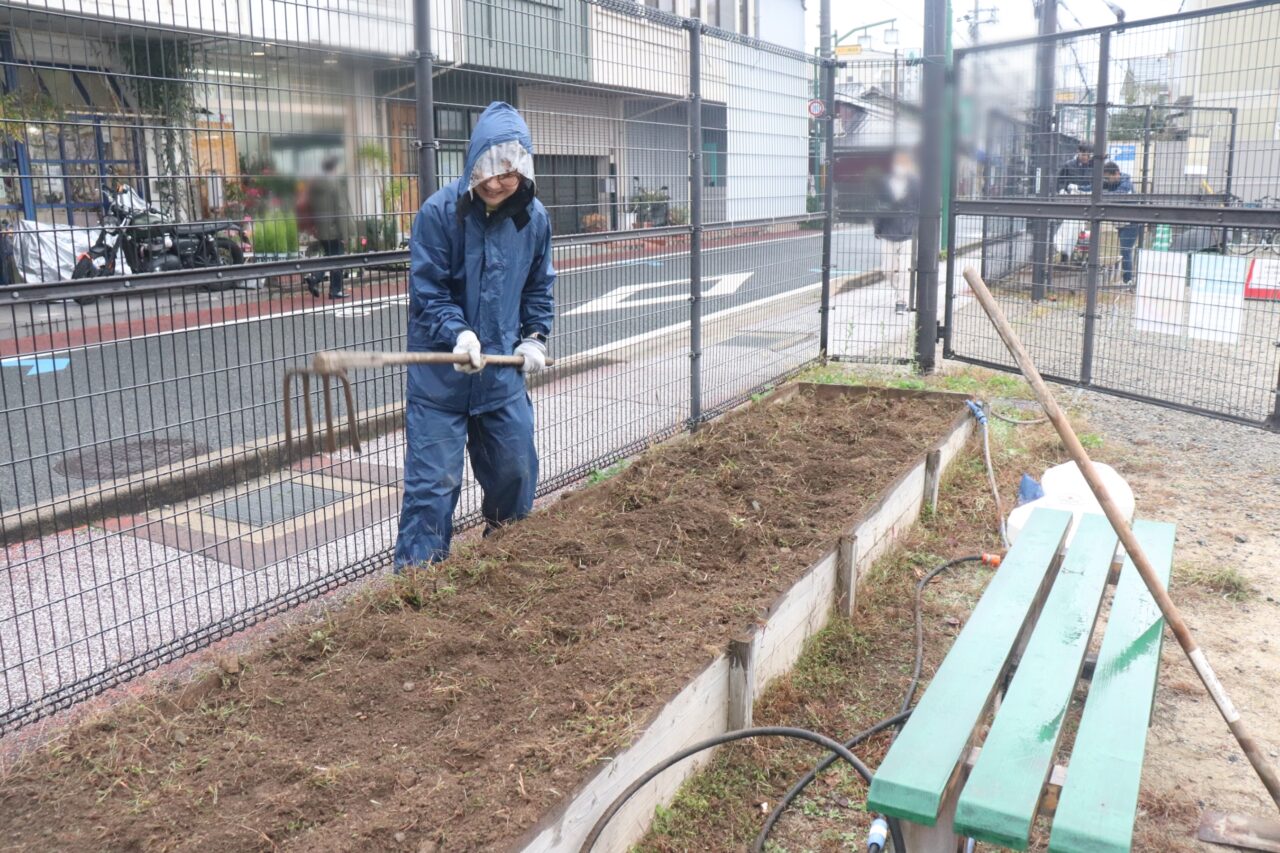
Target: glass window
x: 451, y: 123
x: 712, y: 165
x: 450, y: 163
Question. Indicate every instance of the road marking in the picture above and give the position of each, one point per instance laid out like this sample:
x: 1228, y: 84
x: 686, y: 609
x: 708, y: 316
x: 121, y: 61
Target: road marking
x: 611, y: 346
x: 620, y: 298
x: 336, y: 310
x: 658, y: 260
x: 36, y: 364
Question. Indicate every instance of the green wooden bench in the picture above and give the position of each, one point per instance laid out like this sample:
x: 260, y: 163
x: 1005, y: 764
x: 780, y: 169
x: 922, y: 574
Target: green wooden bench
x: 1017, y: 664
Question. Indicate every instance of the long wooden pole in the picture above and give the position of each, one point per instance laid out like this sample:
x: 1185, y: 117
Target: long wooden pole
x: 1229, y: 713
x: 333, y: 361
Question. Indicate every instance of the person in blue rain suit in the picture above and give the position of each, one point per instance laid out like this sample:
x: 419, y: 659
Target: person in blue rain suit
x: 1115, y: 181
x: 480, y: 283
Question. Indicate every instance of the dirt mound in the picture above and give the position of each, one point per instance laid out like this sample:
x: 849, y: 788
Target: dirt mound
x: 458, y: 706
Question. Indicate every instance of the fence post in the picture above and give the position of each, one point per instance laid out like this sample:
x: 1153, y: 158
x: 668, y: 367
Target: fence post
x: 933, y: 105
x: 1045, y: 177
x: 828, y: 71
x: 953, y: 122
x: 828, y: 202
x: 1095, y: 199
x: 695, y: 222
x: 1146, y: 149
x: 1231, y: 168
x: 426, y: 142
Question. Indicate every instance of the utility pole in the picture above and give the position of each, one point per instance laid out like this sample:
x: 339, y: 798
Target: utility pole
x: 1043, y: 150
x: 933, y: 124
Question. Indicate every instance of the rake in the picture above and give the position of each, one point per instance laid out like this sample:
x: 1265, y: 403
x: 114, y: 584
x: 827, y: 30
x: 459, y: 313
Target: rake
x: 329, y: 365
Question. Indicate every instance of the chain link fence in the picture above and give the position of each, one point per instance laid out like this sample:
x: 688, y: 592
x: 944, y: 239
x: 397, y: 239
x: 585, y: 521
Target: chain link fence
x: 1126, y: 208
x: 215, y: 167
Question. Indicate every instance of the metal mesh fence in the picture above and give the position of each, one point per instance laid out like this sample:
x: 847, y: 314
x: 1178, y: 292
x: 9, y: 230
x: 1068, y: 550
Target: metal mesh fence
x: 228, y: 163
x: 1125, y: 208
x: 878, y: 117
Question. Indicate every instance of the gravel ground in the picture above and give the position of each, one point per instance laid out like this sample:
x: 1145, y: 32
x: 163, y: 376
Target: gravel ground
x: 1237, y: 376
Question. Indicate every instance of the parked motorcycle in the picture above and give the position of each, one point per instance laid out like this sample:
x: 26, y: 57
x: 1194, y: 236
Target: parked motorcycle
x: 148, y: 241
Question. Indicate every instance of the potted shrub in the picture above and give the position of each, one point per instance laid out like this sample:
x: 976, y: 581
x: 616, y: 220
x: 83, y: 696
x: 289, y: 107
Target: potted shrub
x: 650, y: 207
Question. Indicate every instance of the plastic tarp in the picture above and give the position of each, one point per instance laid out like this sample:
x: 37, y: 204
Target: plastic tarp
x: 44, y: 252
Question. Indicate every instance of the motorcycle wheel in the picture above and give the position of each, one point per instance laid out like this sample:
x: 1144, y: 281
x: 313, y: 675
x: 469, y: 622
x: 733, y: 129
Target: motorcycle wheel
x: 85, y: 269
x: 229, y: 254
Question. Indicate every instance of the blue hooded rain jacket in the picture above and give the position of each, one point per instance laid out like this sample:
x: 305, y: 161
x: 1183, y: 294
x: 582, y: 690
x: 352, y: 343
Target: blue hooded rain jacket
x: 489, y: 272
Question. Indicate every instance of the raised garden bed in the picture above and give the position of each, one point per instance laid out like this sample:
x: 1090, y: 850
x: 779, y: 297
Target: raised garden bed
x: 503, y: 699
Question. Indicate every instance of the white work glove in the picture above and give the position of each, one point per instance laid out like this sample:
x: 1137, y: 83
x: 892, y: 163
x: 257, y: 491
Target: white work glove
x: 535, y: 356
x: 469, y: 344
x: 1073, y: 189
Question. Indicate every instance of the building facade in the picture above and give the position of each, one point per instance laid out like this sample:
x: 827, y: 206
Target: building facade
x: 210, y: 107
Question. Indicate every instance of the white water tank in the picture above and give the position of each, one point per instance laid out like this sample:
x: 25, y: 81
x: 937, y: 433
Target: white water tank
x: 1065, y: 488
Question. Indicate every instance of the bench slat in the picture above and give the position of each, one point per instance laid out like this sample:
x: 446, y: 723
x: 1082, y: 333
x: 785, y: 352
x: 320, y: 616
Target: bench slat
x: 1002, y: 795
x: 915, y: 775
x: 1099, y: 801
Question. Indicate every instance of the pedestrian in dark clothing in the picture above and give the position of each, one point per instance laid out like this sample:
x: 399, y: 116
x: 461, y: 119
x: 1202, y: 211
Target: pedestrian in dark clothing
x: 330, y: 212
x: 898, y: 209
x: 1078, y: 171
x: 480, y: 282
x: 1075, y: 176
x: 1115, y: 181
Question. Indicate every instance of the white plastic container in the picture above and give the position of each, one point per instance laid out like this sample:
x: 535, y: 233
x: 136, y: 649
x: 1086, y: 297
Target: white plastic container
x: 1065, y: 488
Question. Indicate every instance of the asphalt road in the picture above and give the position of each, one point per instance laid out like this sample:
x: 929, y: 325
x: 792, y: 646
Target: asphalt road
x: 71, y: 414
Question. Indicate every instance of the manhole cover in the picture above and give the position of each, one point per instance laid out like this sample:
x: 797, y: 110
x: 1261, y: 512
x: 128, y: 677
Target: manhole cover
x: 122, y: 458
x: 274, y: 504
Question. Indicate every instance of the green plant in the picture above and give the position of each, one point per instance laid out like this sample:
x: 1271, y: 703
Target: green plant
x: 395, y: 194
x: 1091, y: 440
x: 599, y: 476
x: 649, y: 206
x: 378, y: 234
x: 678, y: 216
x: 161, y: 71
x: 373, y: 155
x: 19, y: 108
x: 263, y: 187
x: 812, y: 204
x: 1225, y: 581
x: 275, y: 233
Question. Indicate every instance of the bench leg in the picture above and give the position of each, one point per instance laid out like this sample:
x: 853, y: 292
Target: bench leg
x: 939, y: 838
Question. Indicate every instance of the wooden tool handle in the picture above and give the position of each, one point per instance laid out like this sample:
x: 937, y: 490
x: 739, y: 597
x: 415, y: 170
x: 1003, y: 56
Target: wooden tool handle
x: 1127, y: 538
x: 332, y: 361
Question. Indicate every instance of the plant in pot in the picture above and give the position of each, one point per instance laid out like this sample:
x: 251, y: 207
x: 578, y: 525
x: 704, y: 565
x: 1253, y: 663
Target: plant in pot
x: 650, y: 207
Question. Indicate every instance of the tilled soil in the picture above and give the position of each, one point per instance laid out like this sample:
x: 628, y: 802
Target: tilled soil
x: 450, y: 709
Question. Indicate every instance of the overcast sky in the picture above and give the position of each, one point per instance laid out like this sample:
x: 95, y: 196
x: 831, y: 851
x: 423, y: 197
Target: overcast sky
x: 1015, y: 18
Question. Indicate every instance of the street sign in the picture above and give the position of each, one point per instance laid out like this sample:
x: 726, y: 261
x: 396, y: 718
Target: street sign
x: 817, y: 109
x: 848, y: 49
x: 1125, y: 156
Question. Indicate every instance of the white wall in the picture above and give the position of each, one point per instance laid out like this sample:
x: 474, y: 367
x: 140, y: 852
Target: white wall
x: 633, y: 53
x: 374, y: 26
x: 781, y: 23
x: 768, y: 138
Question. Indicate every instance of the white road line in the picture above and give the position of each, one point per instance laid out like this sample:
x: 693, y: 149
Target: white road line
x: 337, y: 310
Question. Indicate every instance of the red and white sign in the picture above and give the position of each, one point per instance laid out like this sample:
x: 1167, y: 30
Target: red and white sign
x: 1263, y: 280
x: 817, y: 109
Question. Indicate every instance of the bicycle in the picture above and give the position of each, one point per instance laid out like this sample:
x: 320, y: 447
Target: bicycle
x: 1246, y: 241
